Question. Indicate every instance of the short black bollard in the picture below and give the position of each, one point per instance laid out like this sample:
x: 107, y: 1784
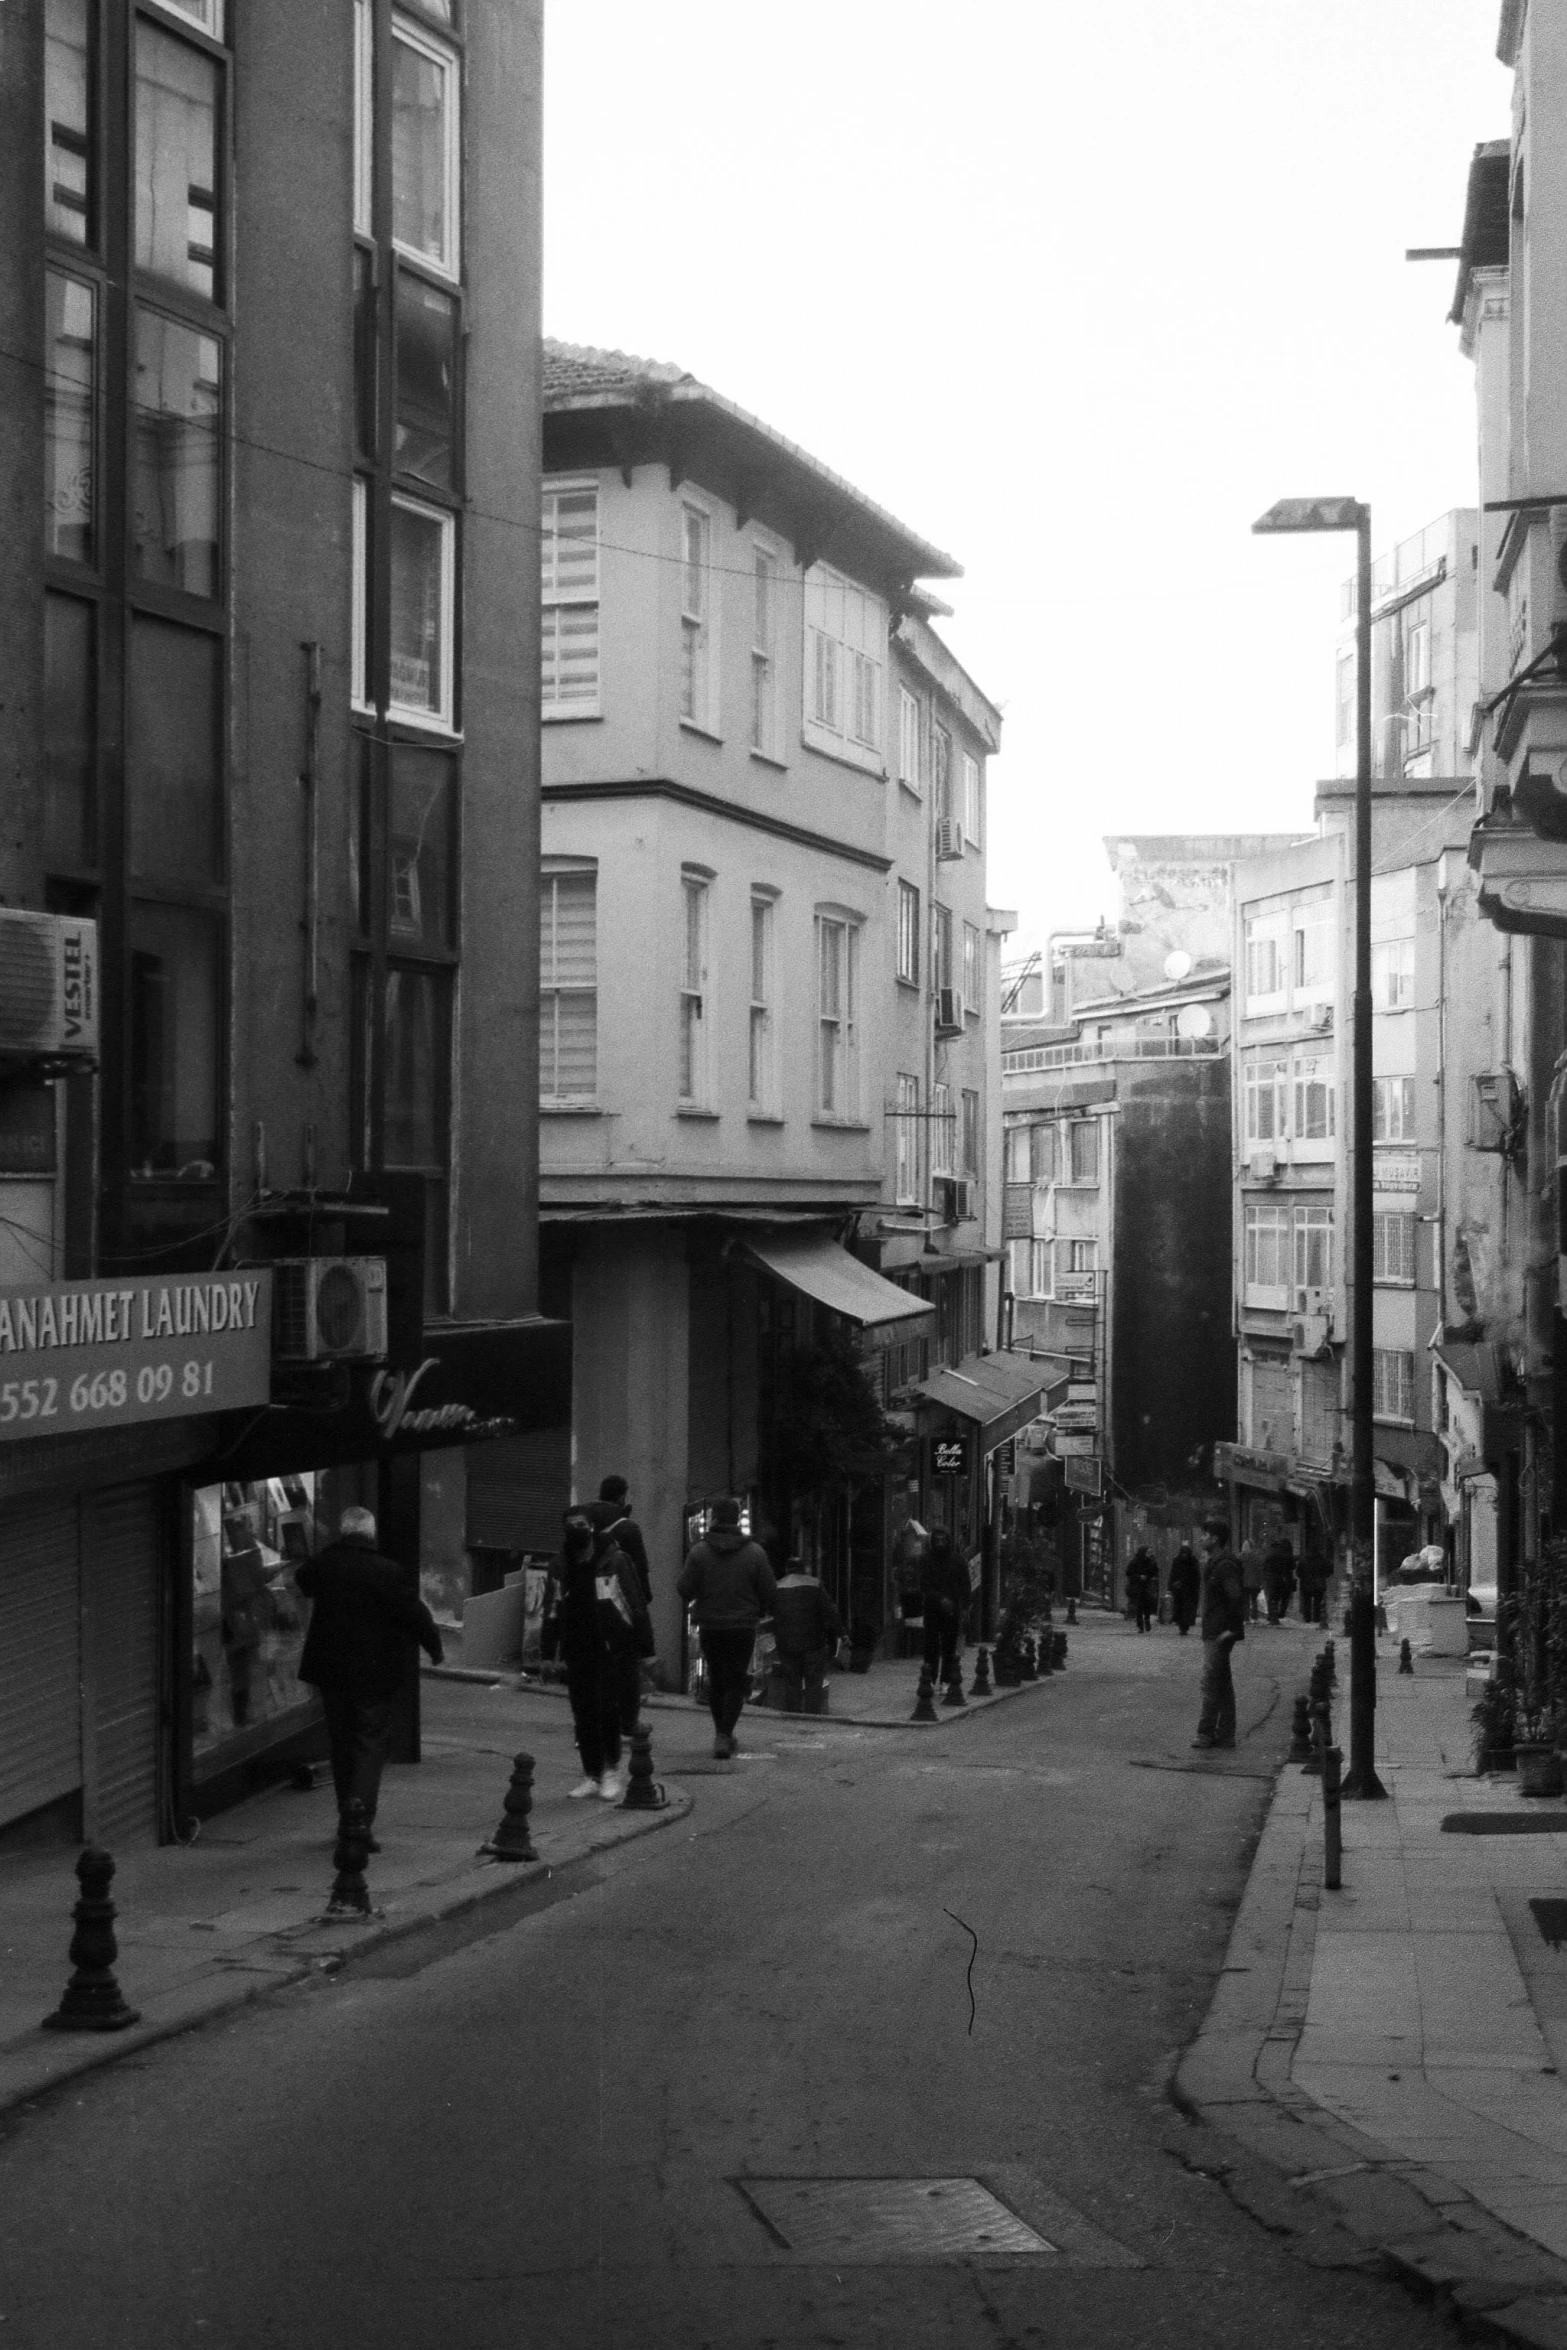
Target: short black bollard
x: 1331, y: 1655
x: 1300, y: 1731
x: 1046, y: 1653
x: 513, y: 1839
x: 350, y: 1895
x: 1058, y: 1650
x: 1030, y: 1660
x: 1332, y: 1820
x: 92, y: 2000
x: 1406, y: 1657
x: 982, y: 1686
x: 643, y: 1791
x: 1071, y: 1608
x: 924, y: 1711
x: 953, y: 1693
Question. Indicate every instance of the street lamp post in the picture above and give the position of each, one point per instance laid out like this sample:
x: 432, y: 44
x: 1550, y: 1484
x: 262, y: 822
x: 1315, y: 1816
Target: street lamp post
x: 1340, y: 514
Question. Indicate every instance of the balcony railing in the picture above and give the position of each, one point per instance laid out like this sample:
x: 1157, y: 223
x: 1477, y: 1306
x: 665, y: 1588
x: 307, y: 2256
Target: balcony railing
x: 1026, y: 1059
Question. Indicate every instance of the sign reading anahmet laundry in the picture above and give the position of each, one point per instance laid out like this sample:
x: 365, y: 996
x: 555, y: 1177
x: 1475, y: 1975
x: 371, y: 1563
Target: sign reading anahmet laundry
x: 101, y: 1354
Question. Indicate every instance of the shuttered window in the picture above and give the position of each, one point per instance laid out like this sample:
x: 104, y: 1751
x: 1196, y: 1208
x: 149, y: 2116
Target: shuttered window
x: 1319, y: 1411
x: 120, y: 1557
x: 1272, y: 1404
x: 40, y: 1656
x: 568, y: 984
x: 570, y: 583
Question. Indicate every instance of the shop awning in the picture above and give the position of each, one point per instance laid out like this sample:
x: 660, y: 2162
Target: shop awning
x: 1000, y: 1393
x: 819, y: 1268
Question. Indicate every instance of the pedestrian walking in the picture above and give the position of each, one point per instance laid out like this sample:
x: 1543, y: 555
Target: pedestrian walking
x: 1313, y: 1584
x: 364, y: 1620
x: 806, y: 1626
x: 945, y: 1593
x: 1251, y: 1577
x: 611, y: 1514
x: 1223, y: 1623
x: 730, y: 1586
x: 1184, y: 1584
x: 1142, y: 1586
x: 596, y: 1622
x: 1278, y: 1576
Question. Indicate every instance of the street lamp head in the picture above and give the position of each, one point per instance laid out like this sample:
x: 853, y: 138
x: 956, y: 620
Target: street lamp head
x: 1311, y: 514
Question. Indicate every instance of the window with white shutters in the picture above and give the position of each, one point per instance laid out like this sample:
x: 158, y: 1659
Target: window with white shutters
x: 845, y: 660
x: 570, y: 580
x: 568, y: 983
x: 907, y: 1175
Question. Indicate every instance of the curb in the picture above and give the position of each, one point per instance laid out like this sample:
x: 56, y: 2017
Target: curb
x: 1379, y: 2209
x: 661, y: 1701
x: 296, y: 1954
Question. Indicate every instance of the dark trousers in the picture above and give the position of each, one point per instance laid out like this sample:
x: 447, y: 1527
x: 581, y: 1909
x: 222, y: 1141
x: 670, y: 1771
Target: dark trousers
x: 358, y: 1731
x: 728, y: 1655
x: 941, y: 1639
x: 803, y: 1671
x: 597, y: 1693
x: 1310, y: 1604
x: 1147, y: 1602
x: 1217, y: 1719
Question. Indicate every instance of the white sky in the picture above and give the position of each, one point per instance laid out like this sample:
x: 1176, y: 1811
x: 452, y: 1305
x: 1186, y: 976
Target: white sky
x: 1077, y: 290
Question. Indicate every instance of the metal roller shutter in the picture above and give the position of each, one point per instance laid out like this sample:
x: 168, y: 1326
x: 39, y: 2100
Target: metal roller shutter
x: 40, y: 1656
x: 1272, y: 1403
x: 1319, y: 1411
x: 121, y: 1546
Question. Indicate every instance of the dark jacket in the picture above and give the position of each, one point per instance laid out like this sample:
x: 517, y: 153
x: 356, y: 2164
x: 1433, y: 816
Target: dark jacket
x: 1184, y: 1583
x: 944, y: 1580
x: 1223, y: 1597
x: 804, y: 1618
x: 609, y: 1517
x: 362, y: 1617
x: 728, y: 1580
x: 575, y: 1627
x: 1142, y: 1572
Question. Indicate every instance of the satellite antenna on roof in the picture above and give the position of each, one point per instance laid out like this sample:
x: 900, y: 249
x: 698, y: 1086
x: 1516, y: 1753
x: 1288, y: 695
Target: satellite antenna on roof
x: 1177, y: 964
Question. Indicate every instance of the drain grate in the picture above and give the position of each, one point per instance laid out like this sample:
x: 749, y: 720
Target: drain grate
x: 1551, y: 1918
x: 888, y: 2219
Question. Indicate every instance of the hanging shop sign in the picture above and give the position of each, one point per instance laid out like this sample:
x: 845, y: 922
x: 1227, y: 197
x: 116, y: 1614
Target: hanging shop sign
x: 1084, y: 1475
x: 1073, y: 1444
x: 102, y: 1354
x: 949, y: 1456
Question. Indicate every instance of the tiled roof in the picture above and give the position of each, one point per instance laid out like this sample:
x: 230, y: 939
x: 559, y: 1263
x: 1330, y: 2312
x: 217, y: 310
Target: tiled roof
x: 578, y: 367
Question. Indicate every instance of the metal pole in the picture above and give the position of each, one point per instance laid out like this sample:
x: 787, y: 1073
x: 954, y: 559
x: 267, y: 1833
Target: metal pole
x: 1362, y: 1779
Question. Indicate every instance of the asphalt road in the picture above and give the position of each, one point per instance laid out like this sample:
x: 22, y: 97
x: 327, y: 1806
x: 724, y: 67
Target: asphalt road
x: 531, y: 2134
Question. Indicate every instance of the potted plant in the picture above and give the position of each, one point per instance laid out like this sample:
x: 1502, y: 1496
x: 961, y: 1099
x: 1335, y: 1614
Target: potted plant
x: 1492, y: 1716
x: 1534, y: 1751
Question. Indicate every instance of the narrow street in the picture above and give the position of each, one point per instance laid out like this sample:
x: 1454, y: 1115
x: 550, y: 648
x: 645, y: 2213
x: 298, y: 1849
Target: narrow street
x: 536, y: 2133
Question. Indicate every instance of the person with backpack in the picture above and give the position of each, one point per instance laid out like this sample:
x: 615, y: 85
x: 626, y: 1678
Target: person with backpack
x: 596, y: 1621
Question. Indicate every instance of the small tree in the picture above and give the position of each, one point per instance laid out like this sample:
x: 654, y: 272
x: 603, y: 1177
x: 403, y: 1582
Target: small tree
x: 830, y: 1434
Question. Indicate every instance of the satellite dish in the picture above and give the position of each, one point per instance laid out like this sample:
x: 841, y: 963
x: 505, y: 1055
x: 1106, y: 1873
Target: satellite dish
x: 1177, y: 965
x: 1193, y: 1019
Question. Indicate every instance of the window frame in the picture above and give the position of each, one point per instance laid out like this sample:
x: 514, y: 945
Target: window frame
x: 1382, y: 1222
x: 1275, y: 1218
x: 1393, y: 981
x: 418, y: 36
x: 836, y: 658
x: 553, y: 708
x: 1382, y: 1406
x: 694, y: 1054
x: 840, y: 930
x: 444, y: 720
x: 973, y: 788
x: 907, y: 947
x: 1382, y: 1097
x: 973, y: 970
x: 1302, y: 1087
x: 552, y: 871
x: 910, y: 738
x: 1264, y: 1076
x: 766, y: 725
x: 1312, y: 1224
x: 1270, y: 930
x: 761, y: 1026
x: 970, y: 1148
x: 699, y: 629
x: 906, y: 1141
x: 1074, y: 1179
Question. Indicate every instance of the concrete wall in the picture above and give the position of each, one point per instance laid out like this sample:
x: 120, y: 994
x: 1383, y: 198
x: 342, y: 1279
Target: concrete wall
x: 21, y: 456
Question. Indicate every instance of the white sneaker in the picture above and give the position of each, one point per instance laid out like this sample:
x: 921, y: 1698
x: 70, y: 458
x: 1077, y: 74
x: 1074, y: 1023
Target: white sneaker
x: 611, y: 1787
x: 583, y: 1787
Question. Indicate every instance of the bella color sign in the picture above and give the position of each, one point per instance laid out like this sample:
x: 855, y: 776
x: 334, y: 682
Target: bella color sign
x: 100, y: 1354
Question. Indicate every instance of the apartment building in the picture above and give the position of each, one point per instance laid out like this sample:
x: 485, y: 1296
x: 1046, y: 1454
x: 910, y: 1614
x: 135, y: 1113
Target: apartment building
x: 1425, y: 654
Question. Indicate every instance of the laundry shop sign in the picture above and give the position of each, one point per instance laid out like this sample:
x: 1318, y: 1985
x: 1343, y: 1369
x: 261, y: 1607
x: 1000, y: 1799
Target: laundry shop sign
x: 79, y: 1355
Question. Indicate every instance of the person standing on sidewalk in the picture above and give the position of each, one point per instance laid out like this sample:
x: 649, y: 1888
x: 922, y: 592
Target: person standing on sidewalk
x: 363, y: 1621
x: 611, y: 1514
x: 1223, y: 1622
x: 945, y: 1593
x: 1142, y: 1585
x: 596, y: 1622
x: 1278, y: 1576
x: 1251, y: 1577
x: 805, y: 1627
x: 1185, y: 1588
x: 729, y: 1583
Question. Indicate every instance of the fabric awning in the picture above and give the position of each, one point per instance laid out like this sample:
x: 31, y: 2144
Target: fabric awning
x: 819, y: 1268
x: 1000, y: 1393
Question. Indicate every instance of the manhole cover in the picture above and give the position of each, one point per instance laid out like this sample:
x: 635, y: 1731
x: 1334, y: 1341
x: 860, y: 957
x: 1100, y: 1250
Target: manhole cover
x: 1551, y: 1918
x: 1505, y: 1823
x: 888, y: 2219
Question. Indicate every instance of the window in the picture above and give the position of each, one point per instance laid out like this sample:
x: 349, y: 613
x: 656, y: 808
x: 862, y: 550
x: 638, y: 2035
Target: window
x: 568, y: 983
x: 364, y: 115
x: 1267, y: 1254
x: 908, y: 933
x: 1392, y: 1109
x: 1077, y: 1271
x: 693, y: 991
x: 837, y: 1031
x: 762, y: 1096
x: 1313, y: 951
x: 423, y: 578
x: 1084, y: 1134
x: 696, y: 661
x: 764, y: 653
x: 1265, y: 961
x: 70, y: 434
x: 970, y: 1151
x: 417, y: 1059
x: 941, y: 1135
x: 420, y: 828
x: 69, y: 190
x: 175, y: 1032
x: 1393, y: 975
x: 972, y: 983
x: 908, y: 740
x: 941, y: 946
x: 1045, y: 1154
x: 359, y: 620
x: 1392, y: 1384
x: 176, y: 209
x: 70, y: 731
x: 941, y: 772
x: 1028, y: 1268
x: 425, y: 150
x: 1016, y: 1156
x: 1263, y: 1097
x: 425, y: 382
x: 971, y: 799
x: 845, y: 654
x: 1315, y: 1096
x: 175, y: 758
x: 1344, y: 703
x: 570, y: 551
x: 1313, y: 1255
x: 1417, y: 658
x: 1393, y: 1247
x: 906, y: 1174
x: 178, y: 404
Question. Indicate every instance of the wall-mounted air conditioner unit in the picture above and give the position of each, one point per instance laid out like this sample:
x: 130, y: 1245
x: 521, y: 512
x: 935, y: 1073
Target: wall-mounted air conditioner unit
x: 963, y: 1200
x: 48, y: 988
x: 329, y: 1309
x: 1263, y: 1165
x: 949, y: 1011
x: 949, y: 841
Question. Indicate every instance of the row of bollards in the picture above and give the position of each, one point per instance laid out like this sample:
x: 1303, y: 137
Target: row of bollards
x: 1016, y: 1661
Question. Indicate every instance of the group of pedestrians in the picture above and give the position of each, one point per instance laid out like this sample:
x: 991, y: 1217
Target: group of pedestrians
x: 1182, y: 1585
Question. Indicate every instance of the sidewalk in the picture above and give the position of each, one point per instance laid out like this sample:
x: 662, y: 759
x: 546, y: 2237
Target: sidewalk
x: 208, y: 1926
x: 1397, y: 2049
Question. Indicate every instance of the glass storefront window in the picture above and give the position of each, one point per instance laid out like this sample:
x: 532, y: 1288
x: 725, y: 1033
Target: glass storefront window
x: 176, y: 161
x: 69, y: 371
x: 178, y: 412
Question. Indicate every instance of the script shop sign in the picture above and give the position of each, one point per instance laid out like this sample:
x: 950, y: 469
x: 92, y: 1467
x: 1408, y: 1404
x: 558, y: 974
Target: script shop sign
x: 103, y: 1354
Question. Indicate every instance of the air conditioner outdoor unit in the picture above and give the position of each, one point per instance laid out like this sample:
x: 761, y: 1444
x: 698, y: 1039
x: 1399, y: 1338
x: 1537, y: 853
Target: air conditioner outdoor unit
x: 48, y: 988
x: 962, y: 1201
x: 1263, y: 1166
x: 949, y: 841
x: 329, y: 1309
x: 949, y: 1012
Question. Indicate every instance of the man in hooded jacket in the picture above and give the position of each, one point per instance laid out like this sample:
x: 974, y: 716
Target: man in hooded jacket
x: 595, y: 1620
x: 729, y: 1583
x: 364, y: 1620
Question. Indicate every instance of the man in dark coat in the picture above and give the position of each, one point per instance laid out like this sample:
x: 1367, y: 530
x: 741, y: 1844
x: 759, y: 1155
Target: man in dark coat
x: 596, y: 1621
x: 363, y: 1617
x: 729, y: 1583
x: 1223, y: 1623
x: 1142, y: 1585
x: 611, y: 1514
x: 1184, y: 1585
x: 1278, y: 1576
x: 805, y: 1626
x: 945, y: 1592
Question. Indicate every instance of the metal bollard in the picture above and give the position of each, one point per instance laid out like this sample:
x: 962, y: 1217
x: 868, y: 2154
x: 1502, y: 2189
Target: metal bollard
x: 513, y: 1839
x: 643, y: 1791
x: 1406, y: 1657
x: 953, y: 1693
x: 1330, y: 1656
x: 924, y: 1711
x: 1058, y: 1649
x: 1332, y: 1819
x: 92, y: 2000
x: 1300, y: 1730
x: 350, y: 1895
x: 1321, y: 1734
x: 982, y: 1685
x: 1030, y: 1660
x: 1071, y: 1608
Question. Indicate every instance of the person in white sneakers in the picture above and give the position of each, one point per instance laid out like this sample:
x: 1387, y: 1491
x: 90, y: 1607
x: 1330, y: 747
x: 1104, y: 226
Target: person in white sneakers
x: 595, y: 1618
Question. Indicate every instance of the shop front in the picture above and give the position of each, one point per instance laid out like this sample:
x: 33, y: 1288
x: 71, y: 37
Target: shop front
x: 964, y: 1414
